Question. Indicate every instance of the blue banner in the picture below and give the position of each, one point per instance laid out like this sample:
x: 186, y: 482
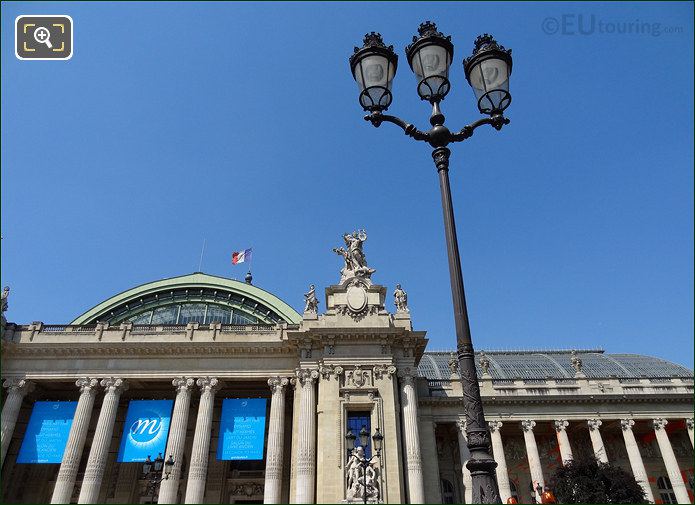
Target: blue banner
x: 47, y: 432
x: 145, y: 431
x: 242, y: 429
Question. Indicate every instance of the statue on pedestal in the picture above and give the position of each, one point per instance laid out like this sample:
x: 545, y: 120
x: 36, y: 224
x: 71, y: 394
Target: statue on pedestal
x: 311, y: 303
x: 400, y: 299
x: 353, y: 254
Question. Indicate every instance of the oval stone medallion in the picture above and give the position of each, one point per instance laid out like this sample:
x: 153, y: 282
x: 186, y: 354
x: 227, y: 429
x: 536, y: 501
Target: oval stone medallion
x: 356, y: 298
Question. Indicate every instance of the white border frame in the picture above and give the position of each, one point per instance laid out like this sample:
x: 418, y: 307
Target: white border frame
x: 72, y: 36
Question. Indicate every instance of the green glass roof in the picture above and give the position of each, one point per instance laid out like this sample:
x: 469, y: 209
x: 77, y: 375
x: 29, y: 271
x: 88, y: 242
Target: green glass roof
x: 190, y: 293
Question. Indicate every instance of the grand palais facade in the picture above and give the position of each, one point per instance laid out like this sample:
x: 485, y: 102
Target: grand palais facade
x: 201, y: 346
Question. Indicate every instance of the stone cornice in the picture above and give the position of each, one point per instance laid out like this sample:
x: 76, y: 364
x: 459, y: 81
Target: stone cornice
x: 146, y: 349
x: 438, y: 401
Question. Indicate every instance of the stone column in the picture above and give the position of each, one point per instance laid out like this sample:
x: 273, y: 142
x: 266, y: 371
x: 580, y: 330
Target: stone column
x: 689, y: 426
x: 674, y: 472
x: 596, y: 440
x: 416, y: 485
x: 96, y: 464
x: 633, y: 454
x: 197, y: 473
x: 465, y: 456
x: 534, y: 460
x: 276, y: 441
x: 65, y: 482
x: 169, y: 488
x: 563, y: 440
x: 17, y: 389
x: 306, y: 437
x: 498, y: 454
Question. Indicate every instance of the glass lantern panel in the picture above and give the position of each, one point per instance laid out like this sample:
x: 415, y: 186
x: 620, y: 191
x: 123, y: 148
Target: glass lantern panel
x: 431, y: 60
x: 490, y: 75
x: 374, y: 70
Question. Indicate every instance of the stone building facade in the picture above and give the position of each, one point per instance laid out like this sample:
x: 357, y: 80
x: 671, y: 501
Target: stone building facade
x: 197, y: 339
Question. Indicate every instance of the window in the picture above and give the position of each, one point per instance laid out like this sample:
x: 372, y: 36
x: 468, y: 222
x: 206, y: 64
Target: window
x: 192, y: 313
x: 666, y: 490
x: 218, y: 314
x: 447, y: 491
x: 355, y: 422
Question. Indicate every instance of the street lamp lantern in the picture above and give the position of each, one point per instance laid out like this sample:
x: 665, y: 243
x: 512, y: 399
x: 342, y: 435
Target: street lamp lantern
x: 378, y: 438
x: 350, y: 440
x: 374, y: 67
x: 168, y: 466
x: 487, y: 71
x: 429, y: 57
x: 364, y: 436
x: 147, y: 465
x: 158, y: 462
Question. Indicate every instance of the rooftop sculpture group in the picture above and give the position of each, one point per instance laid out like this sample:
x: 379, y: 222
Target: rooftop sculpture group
x: 352, y: 253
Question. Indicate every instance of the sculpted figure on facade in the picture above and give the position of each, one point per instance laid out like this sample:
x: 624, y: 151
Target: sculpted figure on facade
x: 400, y: 299
x: 311, y: 303
x: 3, y: 303
x: 576, y: 363
x: 361, y: 479
x: 484, y: 363
x: 353, y: 254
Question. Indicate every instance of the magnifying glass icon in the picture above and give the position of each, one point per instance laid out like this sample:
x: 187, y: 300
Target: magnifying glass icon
x: 43, y: 36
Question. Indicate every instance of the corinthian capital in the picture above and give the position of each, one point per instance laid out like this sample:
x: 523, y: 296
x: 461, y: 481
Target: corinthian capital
x: 626, y: 424
x: 208, y: 384
x: 494, y: 425
x: 561, y: 425
x: 594, y: 424
x: 528, y: 425
x: 87, y: 385
x: 277, y: 384
x: 689, y: 423
x: 407, y: 375
x: 182, y: 384
x: 19, y: 385
x: 114, y: 384
x: 307, y: 376
x: 659, y: 424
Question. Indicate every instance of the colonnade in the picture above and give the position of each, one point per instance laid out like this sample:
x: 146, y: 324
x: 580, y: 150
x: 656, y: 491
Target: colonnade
x: 305, y: 452
x: 536, y: 471
x: 98, y: 454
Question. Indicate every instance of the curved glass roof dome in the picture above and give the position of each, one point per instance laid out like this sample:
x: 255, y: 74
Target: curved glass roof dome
x: 196, y: 297
x: 541, y: 365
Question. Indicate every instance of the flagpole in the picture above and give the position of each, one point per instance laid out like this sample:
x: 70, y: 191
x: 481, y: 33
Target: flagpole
x: 202, y: 251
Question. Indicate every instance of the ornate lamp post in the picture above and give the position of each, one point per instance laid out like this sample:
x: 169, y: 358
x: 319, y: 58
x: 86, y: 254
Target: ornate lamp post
x: 487, y: 71
x: 156, y: 471
x: 363, y: 462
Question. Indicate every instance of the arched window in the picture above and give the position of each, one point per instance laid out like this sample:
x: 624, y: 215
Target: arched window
x: 666, y: 490
x: 447, y: 491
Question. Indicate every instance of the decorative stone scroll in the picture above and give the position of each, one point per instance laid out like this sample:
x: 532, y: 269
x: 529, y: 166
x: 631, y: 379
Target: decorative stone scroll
x: 384, y: 371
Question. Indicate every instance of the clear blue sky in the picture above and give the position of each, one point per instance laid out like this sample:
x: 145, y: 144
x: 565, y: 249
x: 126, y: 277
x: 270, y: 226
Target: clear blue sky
x: 239, y: 124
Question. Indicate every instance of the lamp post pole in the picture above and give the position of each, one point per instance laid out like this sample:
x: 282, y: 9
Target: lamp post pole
x: 487, y: 70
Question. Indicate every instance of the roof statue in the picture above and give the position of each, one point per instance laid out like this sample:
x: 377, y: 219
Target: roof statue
x: 5, y: 296
x: 352, y: 253
x: 311, y: 303
x: 4, y: 305
x: 400, y: 299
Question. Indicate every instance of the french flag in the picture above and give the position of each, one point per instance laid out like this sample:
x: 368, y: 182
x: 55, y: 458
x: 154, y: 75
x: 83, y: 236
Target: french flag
x: 241, y: 256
